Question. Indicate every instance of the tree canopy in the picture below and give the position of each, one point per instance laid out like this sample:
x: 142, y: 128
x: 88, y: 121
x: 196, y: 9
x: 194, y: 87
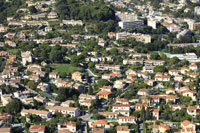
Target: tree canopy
x: 72, y: 9
x: 14, y: 106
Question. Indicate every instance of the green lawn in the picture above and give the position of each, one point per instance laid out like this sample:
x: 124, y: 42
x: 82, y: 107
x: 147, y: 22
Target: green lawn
x: 68, y: 68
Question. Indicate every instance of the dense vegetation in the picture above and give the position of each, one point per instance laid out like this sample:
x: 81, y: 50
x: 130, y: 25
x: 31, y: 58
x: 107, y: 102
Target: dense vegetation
x: 8, y: 9
x: 71, y: 9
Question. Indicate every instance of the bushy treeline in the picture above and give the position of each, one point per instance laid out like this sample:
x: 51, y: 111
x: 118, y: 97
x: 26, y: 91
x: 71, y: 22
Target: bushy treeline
x: 9, y: 8
x: 72, y: 9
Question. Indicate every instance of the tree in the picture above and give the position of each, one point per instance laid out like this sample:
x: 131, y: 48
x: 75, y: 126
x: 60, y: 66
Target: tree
x: 148, y: 115
x: 102, y: 82
x: 32, y: 9
x: 96, y: 116
x: 91, y: 65
x: 154, y: 56
x: 62, y: 94
x: 56, y: 56
x: 143, y: 114
x: 32, y: 85
x: 173, y: 61
x: 14, y: 106
x: 159, y: 69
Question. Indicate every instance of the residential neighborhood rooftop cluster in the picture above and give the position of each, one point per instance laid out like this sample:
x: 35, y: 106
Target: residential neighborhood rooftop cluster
x: 111, y: 66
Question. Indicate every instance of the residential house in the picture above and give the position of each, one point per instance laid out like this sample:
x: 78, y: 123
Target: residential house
x: 127, y: 119
x: 77, y: 76
x: 193, y: 110
x: 27, y: 57
x: 98, y: 130
x: 119, y: 84
x: 108, y: 67
x: 148, y: 68
x: 162, y: 128
x: 189, y: 93
x: 188, y: 127
x: 170, y: 91
x: 85, y: 99
x: 143, y: 92
x: 162, y: 77
x: 42, y: 114
x: 138, y: 106
x: 106, y: 88
x: 170, y: 98
x: 109, y: 115
x: 155, y: 113
x: 5, y: 99
x: 52, y: 15
x: 122, y: 101
x: 72, y: 22
x: 104, y: 94
x: 145, y: 100
x: 5, y: 130
x: 40, y: 99
x: 176, y: 107
x: 53, y: 103
x: 73, y: 112
x: 3, y: 28
x: 184, y: 70
x: 154, y: 62
x: 100, y: 124
x: 27, y: 100
x: 53, y: 75
x: 10, y: 43
x: 123, y: 129
x: 68, y: 103
x: 188, y: 81
x: 44, y: 86
x: 22, y: 94
x: 178, y: 78
x: 193, y: 67
x: 149, y: 82
x: 117, y: 107
x: 173, y: 72
x: 68, y: 126
x: 37, y: 129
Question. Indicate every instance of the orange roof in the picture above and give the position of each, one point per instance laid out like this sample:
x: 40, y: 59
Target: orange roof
x: 73, y: 124
x: 154, y: 97
x: 127, y: 117
x: 170, y: 97
x: 173, y: 70
x: 37, y: 128
x: 164, y: 126
x: 170, y: 89
x: 102, y: 122
x: 143, y: 90
x: 104, y: 93
x: 156, y: 110
x: 168, y: 24
x: 122, y: 128
x: 192, y: 108
x: 184, y: 68
x: 98, y: 130
x: 155, y: 126
x: 121, y: 105
x: 53, y: 73
x: 186, y: 122
x: 193, y: 65
x: 122, y: 99
x: 188, y: 91
x: 140, y: 104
